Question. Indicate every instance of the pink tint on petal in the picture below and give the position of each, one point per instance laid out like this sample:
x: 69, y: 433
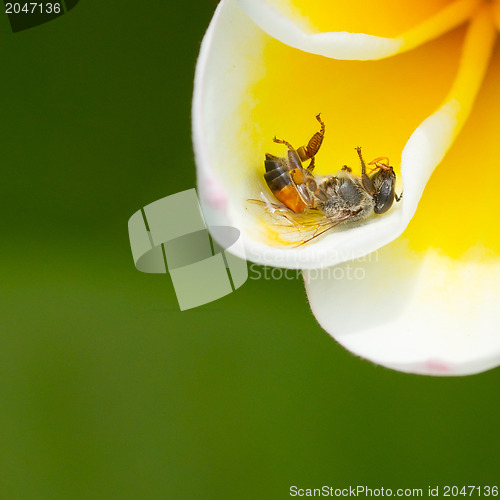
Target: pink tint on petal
x: 437, y: 366
x: 213, y: 194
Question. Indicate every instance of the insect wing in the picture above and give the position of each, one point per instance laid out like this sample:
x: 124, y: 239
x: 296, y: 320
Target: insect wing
x: 295, y: 229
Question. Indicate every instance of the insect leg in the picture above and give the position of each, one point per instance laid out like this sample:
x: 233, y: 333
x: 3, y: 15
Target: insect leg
x: 293, y: 156
x: 367, y: 182
x: 281, y: 141
x: 363, y: 166
x: 318, y: 190
x: 306, y: 152
x: 294, y: 160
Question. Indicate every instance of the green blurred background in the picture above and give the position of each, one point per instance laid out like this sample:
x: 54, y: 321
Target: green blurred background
x: 107, y: 390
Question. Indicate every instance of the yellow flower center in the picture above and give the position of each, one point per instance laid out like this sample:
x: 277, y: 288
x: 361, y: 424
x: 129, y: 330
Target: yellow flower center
x: 386, y: 18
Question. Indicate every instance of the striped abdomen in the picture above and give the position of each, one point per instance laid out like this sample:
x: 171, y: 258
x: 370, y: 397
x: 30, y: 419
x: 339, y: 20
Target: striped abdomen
x: 280, y: 181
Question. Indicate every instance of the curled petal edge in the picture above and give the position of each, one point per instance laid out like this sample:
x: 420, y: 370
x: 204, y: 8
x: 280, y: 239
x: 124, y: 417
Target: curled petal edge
x: 353, y: 46
x: 427, y: 314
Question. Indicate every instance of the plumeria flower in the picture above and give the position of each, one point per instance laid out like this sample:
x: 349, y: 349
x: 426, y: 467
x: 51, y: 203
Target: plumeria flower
x: 426, y: 301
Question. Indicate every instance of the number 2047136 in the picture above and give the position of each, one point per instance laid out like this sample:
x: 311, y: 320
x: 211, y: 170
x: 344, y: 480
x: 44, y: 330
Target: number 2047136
x: 485, y: 491
x: 33, y: 8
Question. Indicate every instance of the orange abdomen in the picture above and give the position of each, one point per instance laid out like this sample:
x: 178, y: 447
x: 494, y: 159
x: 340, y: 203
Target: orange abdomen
x: 291, y: 198
x: 282, y: 185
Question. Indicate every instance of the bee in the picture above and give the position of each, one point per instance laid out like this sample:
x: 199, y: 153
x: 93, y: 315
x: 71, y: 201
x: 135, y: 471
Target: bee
x: 316, y: 204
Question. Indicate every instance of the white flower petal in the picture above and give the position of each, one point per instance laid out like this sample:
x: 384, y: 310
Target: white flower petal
x: 337, y: 45
x: 295, y: 31
x: 427, y: 314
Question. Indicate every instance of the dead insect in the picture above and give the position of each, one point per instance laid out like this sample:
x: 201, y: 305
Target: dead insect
x: 326, y: 201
